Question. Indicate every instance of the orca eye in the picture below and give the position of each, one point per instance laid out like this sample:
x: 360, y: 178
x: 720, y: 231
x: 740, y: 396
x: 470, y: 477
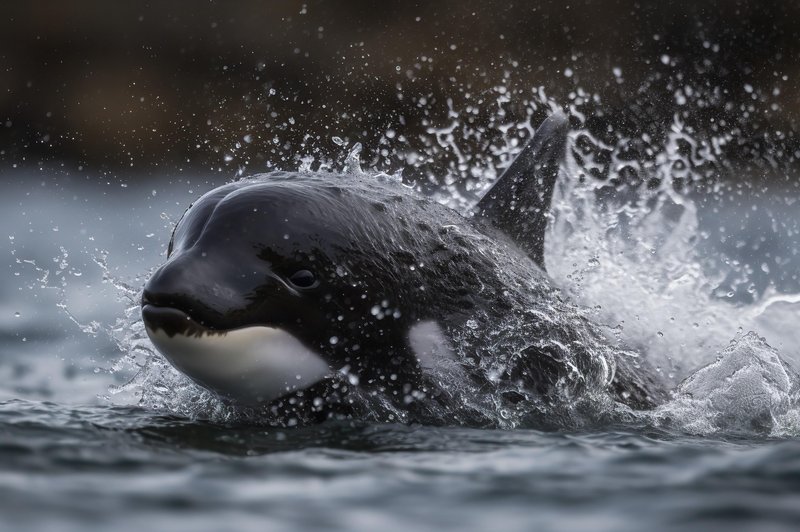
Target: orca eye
x: 303, y: 279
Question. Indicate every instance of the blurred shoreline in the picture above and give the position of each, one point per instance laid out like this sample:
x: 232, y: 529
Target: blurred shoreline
x: 214, y: 86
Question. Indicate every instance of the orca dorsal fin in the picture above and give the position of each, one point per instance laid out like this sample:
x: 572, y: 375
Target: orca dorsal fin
x: 519, y: 201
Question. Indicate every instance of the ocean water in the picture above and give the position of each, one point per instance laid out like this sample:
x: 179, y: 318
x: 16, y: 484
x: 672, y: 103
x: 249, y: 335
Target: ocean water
x: 81, y: 467
x: 96, y: 430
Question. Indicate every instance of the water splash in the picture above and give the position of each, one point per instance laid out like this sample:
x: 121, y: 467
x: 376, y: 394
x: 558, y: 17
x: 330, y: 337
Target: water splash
x: 635, y: 251
x: 627, y: 241
x: 352, y: 164
x: 747, y: 390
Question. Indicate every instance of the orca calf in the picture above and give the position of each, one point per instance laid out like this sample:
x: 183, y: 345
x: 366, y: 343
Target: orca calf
x: 302, y: 289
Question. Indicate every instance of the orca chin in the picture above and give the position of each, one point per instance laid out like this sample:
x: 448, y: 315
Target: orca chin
x: 250, y: 365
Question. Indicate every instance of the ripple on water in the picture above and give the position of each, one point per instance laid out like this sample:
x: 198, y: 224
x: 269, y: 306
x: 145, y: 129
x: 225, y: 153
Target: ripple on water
x: 92, y: 466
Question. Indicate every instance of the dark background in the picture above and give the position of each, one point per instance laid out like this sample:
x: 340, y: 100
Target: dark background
x: 112, y: 88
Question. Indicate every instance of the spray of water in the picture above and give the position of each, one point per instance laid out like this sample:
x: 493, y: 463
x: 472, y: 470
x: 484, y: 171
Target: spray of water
x: 637, y: 256
x: 626, y: 242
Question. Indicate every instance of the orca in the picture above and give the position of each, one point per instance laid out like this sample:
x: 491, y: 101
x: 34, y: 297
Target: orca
x: 304, y: 288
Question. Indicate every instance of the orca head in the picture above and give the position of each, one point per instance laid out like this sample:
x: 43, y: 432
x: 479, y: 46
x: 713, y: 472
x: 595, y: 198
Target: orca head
x: 248, y: 301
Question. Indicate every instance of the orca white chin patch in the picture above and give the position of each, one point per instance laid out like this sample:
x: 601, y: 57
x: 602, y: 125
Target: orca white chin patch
x: 249, y: 365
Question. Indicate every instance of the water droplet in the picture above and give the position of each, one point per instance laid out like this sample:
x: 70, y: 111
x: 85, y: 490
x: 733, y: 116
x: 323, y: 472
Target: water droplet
x: 352, y: 164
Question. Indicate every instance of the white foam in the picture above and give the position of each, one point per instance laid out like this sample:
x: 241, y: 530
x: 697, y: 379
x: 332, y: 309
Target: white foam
x: 748, y: 389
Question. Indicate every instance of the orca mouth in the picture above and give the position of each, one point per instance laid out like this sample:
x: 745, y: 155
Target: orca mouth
x: 251, y: 364
x: 173, y: 321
